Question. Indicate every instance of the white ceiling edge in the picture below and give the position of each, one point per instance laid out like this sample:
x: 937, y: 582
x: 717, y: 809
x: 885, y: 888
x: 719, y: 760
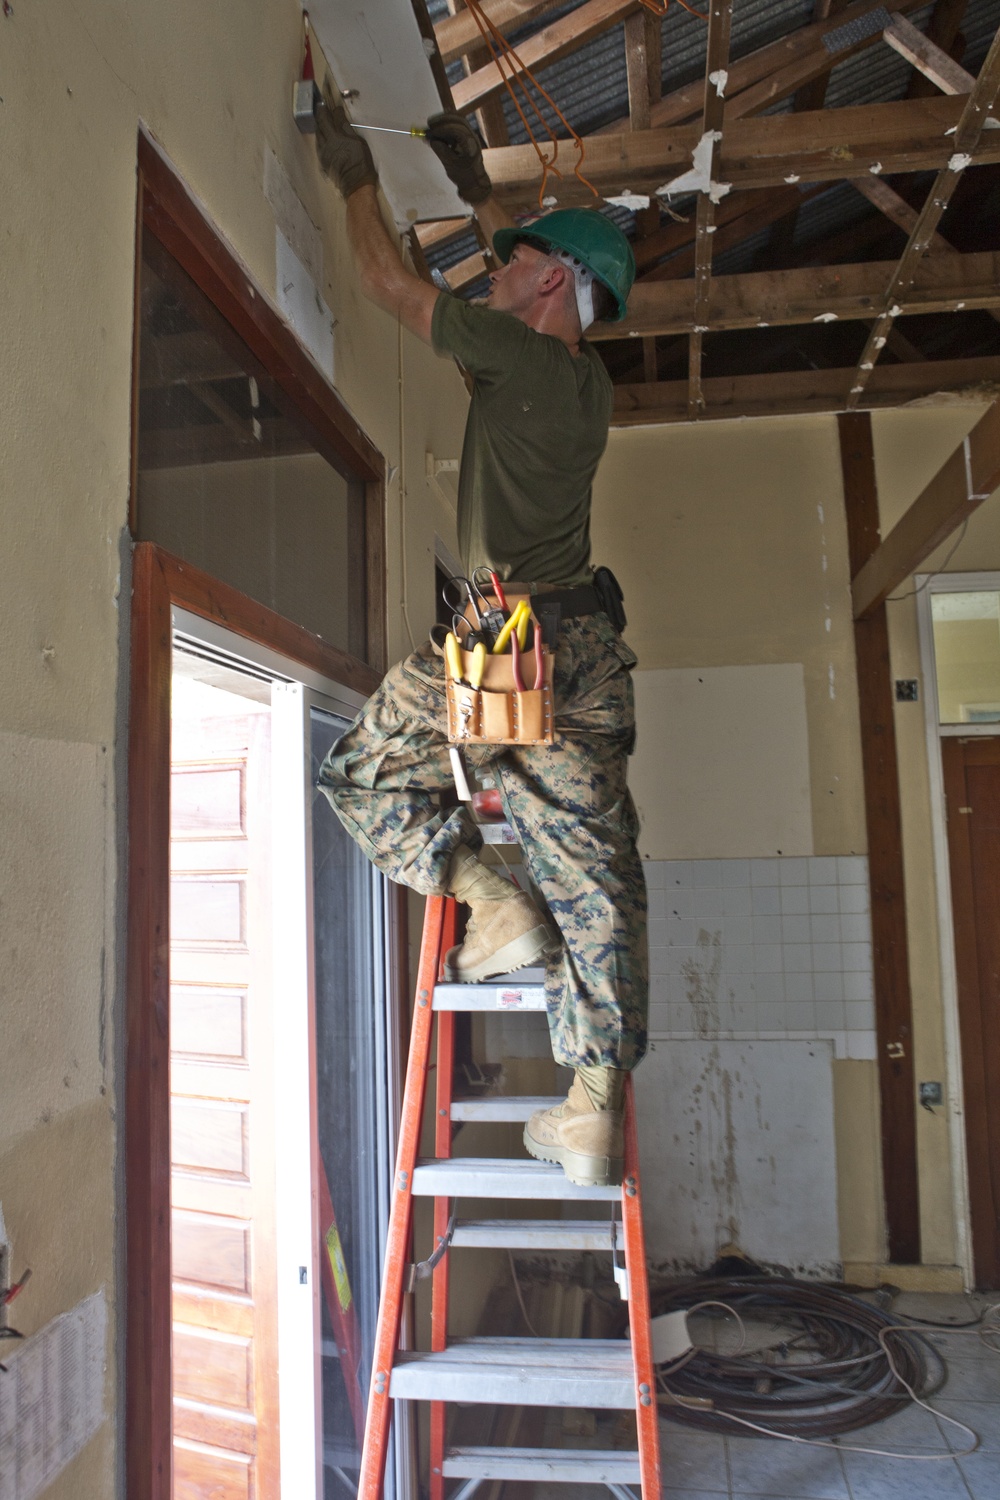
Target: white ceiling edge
x: 378, y: 57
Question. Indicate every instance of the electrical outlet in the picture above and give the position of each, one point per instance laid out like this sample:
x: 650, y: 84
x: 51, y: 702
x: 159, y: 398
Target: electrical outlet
x: 931, y: 1094
x: 907, y: 690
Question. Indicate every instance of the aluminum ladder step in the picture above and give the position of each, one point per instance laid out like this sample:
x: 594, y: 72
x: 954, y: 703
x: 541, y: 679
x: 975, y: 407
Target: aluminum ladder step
x: 535, y: 1465
x: 523, y: 990
x: 501, y: 1177
x: 497, y: 1107
x: 533, y: 1234
x: 521, y: 1372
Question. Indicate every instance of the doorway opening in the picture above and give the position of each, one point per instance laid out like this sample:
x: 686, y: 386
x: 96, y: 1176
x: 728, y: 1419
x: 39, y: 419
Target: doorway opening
x: 959, y: 616
x: 280, y: 1084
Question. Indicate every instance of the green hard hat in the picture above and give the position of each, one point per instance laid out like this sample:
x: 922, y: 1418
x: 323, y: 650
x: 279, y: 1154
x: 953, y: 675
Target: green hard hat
x: 595, y: 241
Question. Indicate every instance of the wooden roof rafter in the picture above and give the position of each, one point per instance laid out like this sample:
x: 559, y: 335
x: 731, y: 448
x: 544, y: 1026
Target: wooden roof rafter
x: 720, y: 18
x: 965, y: 140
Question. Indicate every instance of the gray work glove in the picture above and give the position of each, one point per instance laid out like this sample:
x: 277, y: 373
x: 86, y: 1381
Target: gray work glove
x: 343, y: 154
x: 457, y: 148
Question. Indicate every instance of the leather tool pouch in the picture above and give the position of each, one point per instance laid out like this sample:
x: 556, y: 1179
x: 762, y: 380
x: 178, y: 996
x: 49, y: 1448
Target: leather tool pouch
x: 497, y: 713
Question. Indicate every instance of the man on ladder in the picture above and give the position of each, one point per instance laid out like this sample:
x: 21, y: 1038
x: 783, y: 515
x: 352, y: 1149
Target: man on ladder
x: 537, y: 427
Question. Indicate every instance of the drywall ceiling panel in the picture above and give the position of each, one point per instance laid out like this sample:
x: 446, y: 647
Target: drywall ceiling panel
x: 379, y: 59
x: 721, y: 769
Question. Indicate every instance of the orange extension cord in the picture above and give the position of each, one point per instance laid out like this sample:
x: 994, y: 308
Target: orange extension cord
x: 515, y: 75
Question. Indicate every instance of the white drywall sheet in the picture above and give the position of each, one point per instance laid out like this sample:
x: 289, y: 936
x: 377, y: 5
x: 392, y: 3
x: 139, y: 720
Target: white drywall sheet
x: 721, y: 769
x: 377, y: 53
x: 737, y: 1145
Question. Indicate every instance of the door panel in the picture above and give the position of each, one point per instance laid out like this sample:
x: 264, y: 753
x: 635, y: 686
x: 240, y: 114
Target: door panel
x: 222, y: 1110
x: 972, y: 798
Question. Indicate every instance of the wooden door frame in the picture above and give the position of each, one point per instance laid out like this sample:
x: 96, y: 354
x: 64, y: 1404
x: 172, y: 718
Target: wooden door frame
x: 982, y: 1199
x: 160, y: 582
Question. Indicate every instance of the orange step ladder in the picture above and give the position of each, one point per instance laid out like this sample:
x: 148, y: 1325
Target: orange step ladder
x: 613, y: 1374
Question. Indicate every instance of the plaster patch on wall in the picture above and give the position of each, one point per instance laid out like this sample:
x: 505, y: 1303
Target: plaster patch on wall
x: 51, y: 1398
x: 300, y: 302
x: 721, y: 767
x: 292, y: 217
x: 742, y: 1135
x: 53, y: 927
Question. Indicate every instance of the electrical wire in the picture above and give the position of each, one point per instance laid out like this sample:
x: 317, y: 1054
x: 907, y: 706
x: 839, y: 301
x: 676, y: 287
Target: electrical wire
x: 912, y: 593
x: 852, y: 1379
x: 515, y: 73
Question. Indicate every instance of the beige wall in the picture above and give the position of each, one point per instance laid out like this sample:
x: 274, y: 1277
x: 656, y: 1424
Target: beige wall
x: 212, y: 83
x: 730, y: 542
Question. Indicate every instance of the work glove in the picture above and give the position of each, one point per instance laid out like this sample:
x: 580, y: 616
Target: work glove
x: 343, y: 154
x: 457, y: 148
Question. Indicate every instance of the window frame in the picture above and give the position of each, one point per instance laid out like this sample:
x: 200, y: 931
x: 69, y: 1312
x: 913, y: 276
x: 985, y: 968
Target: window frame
x: 161, y: 582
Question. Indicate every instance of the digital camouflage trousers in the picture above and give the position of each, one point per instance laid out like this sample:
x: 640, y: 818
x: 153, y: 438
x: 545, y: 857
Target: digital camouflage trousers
x: 568, y: 802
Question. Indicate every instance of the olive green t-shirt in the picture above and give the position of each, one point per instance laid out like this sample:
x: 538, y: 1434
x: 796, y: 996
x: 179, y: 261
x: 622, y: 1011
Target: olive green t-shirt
x: 537, y: 427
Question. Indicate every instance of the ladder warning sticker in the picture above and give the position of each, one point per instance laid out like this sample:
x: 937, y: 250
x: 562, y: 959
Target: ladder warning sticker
x: 338, y: 1267
x: 509, y: 999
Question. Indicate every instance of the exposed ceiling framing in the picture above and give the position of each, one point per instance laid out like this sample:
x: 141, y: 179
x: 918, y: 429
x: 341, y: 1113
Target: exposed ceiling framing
x: 844, y: 202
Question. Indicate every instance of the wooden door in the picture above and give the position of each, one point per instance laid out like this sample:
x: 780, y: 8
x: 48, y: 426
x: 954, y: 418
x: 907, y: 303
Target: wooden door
x: 972, y: 797
x: 225, y: 1398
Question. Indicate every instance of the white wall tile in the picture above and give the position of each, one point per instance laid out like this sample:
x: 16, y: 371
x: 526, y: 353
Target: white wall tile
x: 796, y: 930
x: 767, y: 929
x: 824, y: 898
x: 794, y: 936
x: 765, y: 900
x: 853, y: 898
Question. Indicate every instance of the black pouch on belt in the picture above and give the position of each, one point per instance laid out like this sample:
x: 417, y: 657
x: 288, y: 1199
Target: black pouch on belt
x: 609, y: 591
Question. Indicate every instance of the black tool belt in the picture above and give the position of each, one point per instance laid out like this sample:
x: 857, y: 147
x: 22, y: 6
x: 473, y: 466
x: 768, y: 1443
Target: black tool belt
x: 553, y: 605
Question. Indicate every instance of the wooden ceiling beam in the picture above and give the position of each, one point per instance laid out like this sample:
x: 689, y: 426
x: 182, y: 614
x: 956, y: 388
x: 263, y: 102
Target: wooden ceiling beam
x: 825, y: 146
x: 968, y: 477
x: 944, y: 29
x: 547, y: 46
x: 761, y: 210
x: 927, y: 57
x: 800, y: 391
x: 966, y: 137
x: 491, y: 119
x: 720, y: 19
x: 643, y: 66
x: 458, y: 34
x: 783, y: 58
x: 810, y: 294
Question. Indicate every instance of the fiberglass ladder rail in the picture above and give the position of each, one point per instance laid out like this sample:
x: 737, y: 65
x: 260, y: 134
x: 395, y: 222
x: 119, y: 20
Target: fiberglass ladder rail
x: 615, y: 1374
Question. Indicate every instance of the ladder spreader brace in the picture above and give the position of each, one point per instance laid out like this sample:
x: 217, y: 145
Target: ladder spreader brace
x: 608, y: 1373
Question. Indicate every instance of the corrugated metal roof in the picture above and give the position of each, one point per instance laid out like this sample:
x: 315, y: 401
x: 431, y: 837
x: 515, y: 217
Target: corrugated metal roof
x: 590, y: 88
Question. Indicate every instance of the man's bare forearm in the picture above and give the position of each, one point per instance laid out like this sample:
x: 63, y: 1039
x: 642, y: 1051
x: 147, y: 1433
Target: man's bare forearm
x: 385, y: 280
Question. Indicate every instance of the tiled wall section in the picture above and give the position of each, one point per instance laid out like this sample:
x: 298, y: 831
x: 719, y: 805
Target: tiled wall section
x: 762, y: 948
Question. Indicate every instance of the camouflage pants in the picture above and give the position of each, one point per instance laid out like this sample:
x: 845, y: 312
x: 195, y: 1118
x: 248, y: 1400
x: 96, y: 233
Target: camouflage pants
x: 568, y: 802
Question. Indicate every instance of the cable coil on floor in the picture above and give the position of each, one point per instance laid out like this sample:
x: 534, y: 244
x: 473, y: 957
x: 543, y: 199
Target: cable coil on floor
x: 826, y: 1372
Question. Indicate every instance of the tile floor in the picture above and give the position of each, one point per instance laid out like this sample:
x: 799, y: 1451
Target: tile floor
x: 701, y: 1466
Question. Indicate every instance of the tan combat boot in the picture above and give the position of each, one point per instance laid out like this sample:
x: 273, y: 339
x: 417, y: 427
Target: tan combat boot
x: 584, y: 1133
x: 505, y: 930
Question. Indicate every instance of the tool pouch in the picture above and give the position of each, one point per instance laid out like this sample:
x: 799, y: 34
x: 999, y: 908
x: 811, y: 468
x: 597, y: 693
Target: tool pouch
x: 497, y: 713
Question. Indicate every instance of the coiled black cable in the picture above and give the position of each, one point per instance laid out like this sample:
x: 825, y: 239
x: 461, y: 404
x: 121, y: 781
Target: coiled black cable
x: 827, y: 1371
